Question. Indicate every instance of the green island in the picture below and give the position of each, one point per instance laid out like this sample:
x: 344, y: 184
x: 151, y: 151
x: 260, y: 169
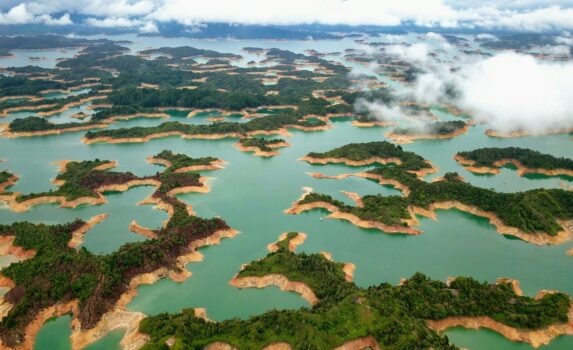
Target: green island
x: 88, y: 179
x: 263, y: 124
x: 59, y: 274
x: 538, y: 211
x: 5, y: 176
x: 435, y: 128
x: 386, y: 316
x: 372, y: 153
x: 439, y: 130
x: 261, y: 146
x: 136, y: 84
x: 525, y: 159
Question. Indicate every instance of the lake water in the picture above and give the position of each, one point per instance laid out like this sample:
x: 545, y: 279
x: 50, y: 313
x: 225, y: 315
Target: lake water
x: 251, y: 194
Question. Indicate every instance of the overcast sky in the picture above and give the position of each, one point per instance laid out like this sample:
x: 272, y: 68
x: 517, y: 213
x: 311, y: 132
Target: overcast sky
x: 526, y: 15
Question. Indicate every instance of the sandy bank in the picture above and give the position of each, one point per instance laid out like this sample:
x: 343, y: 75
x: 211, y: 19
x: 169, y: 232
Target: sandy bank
x: 203, y: 188
x: 521, y: 169
x: 257, y: 150
x: 347, y: 268
x: 6, y: 111
x: 337, y: 214
x: 78, y: 234
x: 367, y: 342
x: 538, y: 238
x: 150, y: 137
x: 277, y: 280
x: 29, y: 98
x: 7, y: 247
x: 140, y: 230
x: 214, y: 165
x: 534, y: 337
x: 11, y: 134
x: 70, y: 89
x: 372, y: 160
x: 403, y: 139
x: 521, y: 133
x: 293, y: 243
x: 119, y: 317
x: 570, y: 252
x: 219, y: 345
x: 382, y: 181
x: 108, y: 139
x: 71, y: 104
x: 372, y: 124
x: 11, y: 181
x: 19, y: 207
x: 369, y: 161
x: 355, y: 197
x: 136, y: 115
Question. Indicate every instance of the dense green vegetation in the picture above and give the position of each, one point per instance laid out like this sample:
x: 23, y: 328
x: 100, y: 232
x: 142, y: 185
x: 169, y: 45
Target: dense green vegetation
x: 16, y: 86
x: 59, y: 274
x: 486, y: 157
x: 82, y: 179
x: 42, y: 42
x: 435, y: 128
x: 5, y: 176
x: 179, y: 160
x: 394, y: 315
x: 380, y: 149
x: 182, y: 52
x: 35, y: 124
x: 268, y: 123
x: 531, y: 211
x: 260, y: 142
x: 108, y: 113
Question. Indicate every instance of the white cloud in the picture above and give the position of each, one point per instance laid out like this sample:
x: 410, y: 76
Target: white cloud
x: 20, y: 14
x: 113, y: 22
x: 512, y: 91
x: 416, y: 53
x: 63, y: 20
x: 380, y: 12
x: 509, y: 91
x: 123, y: 22
x: 529, y: 15
x: 16, y: 15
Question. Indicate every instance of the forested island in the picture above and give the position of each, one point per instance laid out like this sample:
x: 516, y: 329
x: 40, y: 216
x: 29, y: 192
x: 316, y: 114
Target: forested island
x: 435, y: 130
x: 170, y: 78
x: 84, y: 182
x: 535, y: 215
x: 379, y: 152
x: 261, y: 146
x: 489, y: 160
x: 58, y: 274
x: 383, y: 316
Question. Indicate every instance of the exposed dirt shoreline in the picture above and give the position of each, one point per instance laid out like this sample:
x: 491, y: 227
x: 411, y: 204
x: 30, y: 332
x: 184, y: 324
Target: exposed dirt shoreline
x: 277, y: 280
x: 280, y: 131
x: 14, y: 134
x: 403, y: 139
x: 118, y: 317
x: 369, y: 161
x: 538, y: 238
x: 521, y: 133
x: 78, y: 234
x: 536, y: 338
x: 258, y: 152
x: 293, y: 243
x: 521, y: 169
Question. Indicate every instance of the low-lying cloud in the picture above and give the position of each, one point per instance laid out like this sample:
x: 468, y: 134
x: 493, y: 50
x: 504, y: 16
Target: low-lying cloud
x: 509, y: 91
